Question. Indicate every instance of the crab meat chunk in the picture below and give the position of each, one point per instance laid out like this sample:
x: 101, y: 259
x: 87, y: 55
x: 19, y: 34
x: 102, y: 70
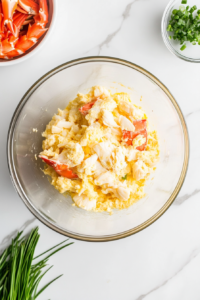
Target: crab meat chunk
x: 108, y: 118
x: 131, y: 110
x: 126, y: 124
x: 72, y: 155
x: 106, y: 178
x: 56, y: 129
x: 122, y: 192
x: 83, y: 201
x: 119, y: 163
x: 131, y: 153
x: 139, y: 170
x: 100, y: 91
x: 98, y: 169
x: 104, y: 151
x: 64, y: 124
x: 88, y: 166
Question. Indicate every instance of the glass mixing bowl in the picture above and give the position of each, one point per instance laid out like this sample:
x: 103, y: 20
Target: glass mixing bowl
x: 54, y: 90
x: 192, y: 52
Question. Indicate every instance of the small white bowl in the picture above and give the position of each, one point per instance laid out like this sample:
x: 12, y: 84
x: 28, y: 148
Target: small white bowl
x: 42, y: 40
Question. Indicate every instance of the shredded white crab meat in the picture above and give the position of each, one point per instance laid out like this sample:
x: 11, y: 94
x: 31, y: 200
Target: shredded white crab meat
x: 116, y: 131
x: 94, y: 112
x: 139, y: 170
x: 112, y: 185
x: 62, y: 114
x: 126, y: 124
x: 73, y: 115
x: 57, y: 117
x: 56, y: 129
x: 131, y: 110
x: 101, y: 91
x: 131, y: 154
x: 148, y: 157
x: 104, y: 151
x: 72, y: 155
x: 93, y: 144
x: 75, y: 128
x: 106, y: 178
x: 98, y: 169
x: 89, y: 165
x: 113, y: 138
x: 119, y: 162
x: 108, y: 118
x: 123, y: 193
x: 84, y: 202
x: 64, y: 124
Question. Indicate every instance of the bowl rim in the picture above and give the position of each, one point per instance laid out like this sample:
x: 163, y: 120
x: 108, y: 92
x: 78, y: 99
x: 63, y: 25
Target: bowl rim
x: 45, y: 220
x: 165, y: 36
x: 39, y: 46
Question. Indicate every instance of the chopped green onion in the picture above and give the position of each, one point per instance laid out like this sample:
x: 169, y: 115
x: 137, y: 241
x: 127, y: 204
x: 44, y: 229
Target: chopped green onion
x: 183, y: 47
x: 125, y: 177
x: 185, y: 25
x: 169, y: 27
x: 182, y: 8
x: 179, y: 13
x: 191, y: 17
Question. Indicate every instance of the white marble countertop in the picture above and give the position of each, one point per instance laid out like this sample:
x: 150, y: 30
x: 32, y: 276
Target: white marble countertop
x: 163, y: 261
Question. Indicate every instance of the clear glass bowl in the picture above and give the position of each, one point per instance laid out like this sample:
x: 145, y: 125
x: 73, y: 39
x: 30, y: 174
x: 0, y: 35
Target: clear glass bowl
x: 192, y: 52
x: 54, y: 90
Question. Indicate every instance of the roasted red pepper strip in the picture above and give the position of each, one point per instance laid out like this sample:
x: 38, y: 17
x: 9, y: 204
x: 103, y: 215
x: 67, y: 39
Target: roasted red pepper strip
x: 140, y: 129
x: 85, y: 108
x: 61, y: 169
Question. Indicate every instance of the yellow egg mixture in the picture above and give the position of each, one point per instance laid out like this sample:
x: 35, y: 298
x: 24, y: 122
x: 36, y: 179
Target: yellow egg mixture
x: 87, y: 137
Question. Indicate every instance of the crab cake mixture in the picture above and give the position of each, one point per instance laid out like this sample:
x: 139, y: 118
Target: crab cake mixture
x: 101, y: 150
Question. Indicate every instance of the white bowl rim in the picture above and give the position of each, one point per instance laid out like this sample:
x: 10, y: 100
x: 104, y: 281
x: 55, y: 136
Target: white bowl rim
x: 39, y: 46
x: 44, y: 219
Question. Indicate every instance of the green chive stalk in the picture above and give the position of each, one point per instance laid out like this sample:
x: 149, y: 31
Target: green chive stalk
x: 19, y: 275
